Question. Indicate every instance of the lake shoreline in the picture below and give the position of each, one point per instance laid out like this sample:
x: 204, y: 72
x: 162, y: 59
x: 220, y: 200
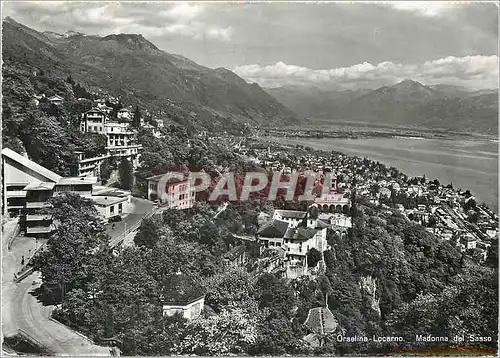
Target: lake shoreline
x: 467, y: 164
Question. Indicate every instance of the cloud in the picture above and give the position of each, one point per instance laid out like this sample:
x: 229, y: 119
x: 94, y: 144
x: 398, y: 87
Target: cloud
x: 474, y: 72
x: 424, y: 8
x: 154, y: 20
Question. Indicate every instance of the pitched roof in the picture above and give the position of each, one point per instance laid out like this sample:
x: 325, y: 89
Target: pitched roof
x: 304, y: 234
x: 275, y: 229
x: 77, y: 180
x: 292, y: 214
x: 9, y: 153
x: 42, y: 185
x: 321, y: 320
x: 234, y: 253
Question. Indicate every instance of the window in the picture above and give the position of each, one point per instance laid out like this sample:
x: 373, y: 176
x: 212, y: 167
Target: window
x: 112, y: 209
x: 120, y: 208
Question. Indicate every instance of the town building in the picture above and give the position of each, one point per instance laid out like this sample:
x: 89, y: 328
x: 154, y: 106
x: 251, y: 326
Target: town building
x: 121, y: 142
x: 109, y: 206
x: 236, y: 257
x: 27, y: 187
x: 174, y: 193
x: 296, y: 232
x: 93, y: 121
x: 56, y: 100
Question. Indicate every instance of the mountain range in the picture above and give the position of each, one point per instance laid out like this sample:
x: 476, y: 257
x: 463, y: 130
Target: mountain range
x: 408, y: 103
x: 133, y: 68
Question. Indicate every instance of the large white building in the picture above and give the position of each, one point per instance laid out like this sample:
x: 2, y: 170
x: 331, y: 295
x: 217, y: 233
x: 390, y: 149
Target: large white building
x: 178, y: 194
x: 28, y: 186
x: 121, y: 142
x: 296, y: 232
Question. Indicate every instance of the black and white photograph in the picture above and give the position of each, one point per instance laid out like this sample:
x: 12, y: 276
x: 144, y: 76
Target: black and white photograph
x: 249, y: 178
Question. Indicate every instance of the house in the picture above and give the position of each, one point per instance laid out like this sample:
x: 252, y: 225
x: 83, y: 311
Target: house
x: 301, y: 232
x: 124, y: 114
x: 109, y: 206
x: 27, y: 188
x: 172, y: 193
x: 236, y: 257
x: 93, y: 121
x: 468, y: 241
x: 182, y: 295
x: 56, y: 100
x: 271, y: 235
x: 121, y: 142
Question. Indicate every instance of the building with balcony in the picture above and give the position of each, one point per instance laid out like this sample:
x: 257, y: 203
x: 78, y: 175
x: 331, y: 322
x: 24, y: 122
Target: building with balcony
x: 172, y: 193
x: 27, y: 188
x: 296, y: 232
x: 93, y: 121
x: 121, y: 142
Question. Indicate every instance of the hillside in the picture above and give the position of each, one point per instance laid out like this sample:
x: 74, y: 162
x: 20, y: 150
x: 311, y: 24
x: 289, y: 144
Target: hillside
x: 407, y: 103
x: 129, y: 66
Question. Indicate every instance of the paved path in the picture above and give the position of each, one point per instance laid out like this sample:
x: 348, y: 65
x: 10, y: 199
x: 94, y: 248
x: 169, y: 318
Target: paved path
x: 139, y: 208
x: 22, y: 311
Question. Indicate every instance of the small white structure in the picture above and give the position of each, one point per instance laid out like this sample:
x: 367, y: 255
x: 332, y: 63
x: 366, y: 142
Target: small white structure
x: 56, y: 100
x: 109, y: 206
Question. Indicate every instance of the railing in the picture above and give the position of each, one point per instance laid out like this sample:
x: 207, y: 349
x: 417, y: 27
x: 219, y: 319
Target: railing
x: 24, y: 274
x: 13, y: 236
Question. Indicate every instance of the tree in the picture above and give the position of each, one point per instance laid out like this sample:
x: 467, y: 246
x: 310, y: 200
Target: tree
x: 136, y: 121
x: 149, y: 233
x: 46, y: 143
x: 313, y: 257
x: 125, y: 171
x: 492, y: 257
x: 107, y: 167
x: 233, y: 331
x: 230, y: 288
x: 68, y: 260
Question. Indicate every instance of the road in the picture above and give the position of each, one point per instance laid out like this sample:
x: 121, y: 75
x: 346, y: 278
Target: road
x: 22, y: 311
x: 138, y: 209
x: 465, y: 225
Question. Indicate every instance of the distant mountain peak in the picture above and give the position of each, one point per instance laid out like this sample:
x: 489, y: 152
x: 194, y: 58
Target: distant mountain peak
x: 72, y: 33
x: 133, y: 41
x: 408, y: 83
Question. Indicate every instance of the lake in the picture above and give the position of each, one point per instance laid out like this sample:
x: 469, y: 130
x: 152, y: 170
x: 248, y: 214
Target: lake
x: 468, y: 164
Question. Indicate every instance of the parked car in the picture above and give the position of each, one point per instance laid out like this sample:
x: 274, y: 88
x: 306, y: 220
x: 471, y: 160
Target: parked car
x: 115, y: 219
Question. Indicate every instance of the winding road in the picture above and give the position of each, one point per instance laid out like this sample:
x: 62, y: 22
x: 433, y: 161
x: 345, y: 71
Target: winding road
x: 21, y: 311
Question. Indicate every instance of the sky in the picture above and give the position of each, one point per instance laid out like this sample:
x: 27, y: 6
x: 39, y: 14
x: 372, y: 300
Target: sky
x: 332, y: 45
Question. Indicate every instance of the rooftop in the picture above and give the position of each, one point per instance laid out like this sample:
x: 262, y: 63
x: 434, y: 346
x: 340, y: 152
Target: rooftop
x: 108, y: 200
x: 40, y: 186
x: 50, y: 175
x: 77, y: 181
x: 292, y: 214
x: 235, y: 252
x: 276, y: 229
